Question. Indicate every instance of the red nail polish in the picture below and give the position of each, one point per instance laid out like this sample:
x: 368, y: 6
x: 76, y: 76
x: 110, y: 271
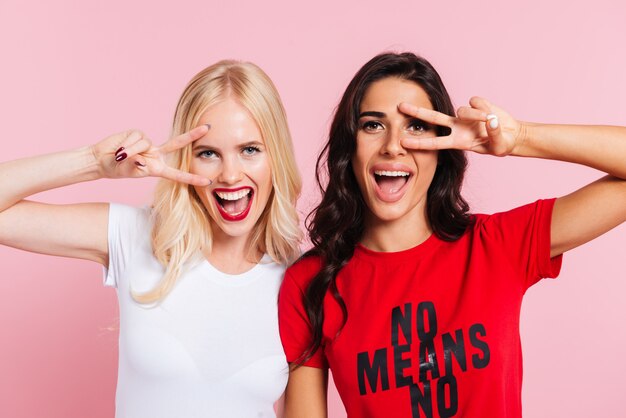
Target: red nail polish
x: 121, y: 157
x: 120, y: 149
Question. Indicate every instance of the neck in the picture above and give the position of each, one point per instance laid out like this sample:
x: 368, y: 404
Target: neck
x: 396, y: 235
x: 232, y: 255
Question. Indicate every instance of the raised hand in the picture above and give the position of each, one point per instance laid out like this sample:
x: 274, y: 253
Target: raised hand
x: 480, y: 127
x: 132, y: 154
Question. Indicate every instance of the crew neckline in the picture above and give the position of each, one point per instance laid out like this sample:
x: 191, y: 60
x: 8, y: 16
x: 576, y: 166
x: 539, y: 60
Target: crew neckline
x: 417, y: 251
x: 239, y: 279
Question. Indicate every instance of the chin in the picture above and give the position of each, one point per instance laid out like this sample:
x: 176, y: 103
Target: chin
x: 392, y: 212
x: 231, y: 230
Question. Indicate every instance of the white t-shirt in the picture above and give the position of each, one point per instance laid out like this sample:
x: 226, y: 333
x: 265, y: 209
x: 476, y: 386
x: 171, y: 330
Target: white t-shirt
x: 210, y: 349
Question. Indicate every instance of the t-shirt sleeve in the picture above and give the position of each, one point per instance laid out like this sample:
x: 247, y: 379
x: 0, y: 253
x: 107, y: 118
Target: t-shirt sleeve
x: 125, y: 224
x: 295, y: 332
x: 524, y: 235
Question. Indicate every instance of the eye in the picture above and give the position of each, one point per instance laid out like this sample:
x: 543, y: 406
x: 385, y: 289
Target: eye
x: 206, y: 154
x: 250, y: 150
x: 418, y: 126
x: 371, y: 126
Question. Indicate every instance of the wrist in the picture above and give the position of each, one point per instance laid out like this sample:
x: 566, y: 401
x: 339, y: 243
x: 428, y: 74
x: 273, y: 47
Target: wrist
x: 92, y: 168
x: 523, y: 139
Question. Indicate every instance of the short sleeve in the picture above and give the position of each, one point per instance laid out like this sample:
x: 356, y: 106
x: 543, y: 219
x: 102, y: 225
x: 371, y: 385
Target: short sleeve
x: 295, y: 332
x: 524, y: 235
x: 126, y: 225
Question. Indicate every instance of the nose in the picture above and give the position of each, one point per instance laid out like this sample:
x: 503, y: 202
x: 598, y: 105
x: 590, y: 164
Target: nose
x: 231, y: 172
x: 391, y: 145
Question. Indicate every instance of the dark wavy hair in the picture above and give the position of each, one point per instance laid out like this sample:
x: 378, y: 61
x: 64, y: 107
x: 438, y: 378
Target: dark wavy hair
x: 336, y: 225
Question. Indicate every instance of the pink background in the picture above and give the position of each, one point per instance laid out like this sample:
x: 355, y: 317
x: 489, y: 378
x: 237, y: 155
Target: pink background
x: 74, y: 71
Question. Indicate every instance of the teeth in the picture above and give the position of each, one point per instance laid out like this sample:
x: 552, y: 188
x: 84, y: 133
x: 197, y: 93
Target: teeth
x: 233, y: 195
x: 391, y: 173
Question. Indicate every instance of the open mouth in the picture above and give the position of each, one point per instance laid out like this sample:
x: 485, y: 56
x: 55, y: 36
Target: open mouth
x: 234, y: 204
x: 391, y: 182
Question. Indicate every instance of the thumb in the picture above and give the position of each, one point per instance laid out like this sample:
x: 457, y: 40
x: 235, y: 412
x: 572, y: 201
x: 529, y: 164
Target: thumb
x: 496, y: 140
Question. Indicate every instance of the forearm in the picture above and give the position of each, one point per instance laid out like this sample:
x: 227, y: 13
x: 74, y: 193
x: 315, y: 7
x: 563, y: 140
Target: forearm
x: 599, y: 147
x: 24, y: 177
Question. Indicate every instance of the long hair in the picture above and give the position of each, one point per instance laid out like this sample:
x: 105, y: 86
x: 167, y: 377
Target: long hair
x: 180, y: 221
x: 336, y: 225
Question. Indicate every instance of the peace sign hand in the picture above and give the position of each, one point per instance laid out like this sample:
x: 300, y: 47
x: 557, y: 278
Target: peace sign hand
x: 480, y: 127
x: 131, y: 154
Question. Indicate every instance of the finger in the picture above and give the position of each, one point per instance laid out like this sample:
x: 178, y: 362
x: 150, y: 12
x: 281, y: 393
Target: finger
x: 184, y: 139
x: 498, y: 143
x: 469, y: 113
x: 184, y: 177
x: 140, y: 162
x: 481, y: 146
x: 432, y: 143
x: 481, y: 103
x: 427, y: 115
x: 142, y: 145
x: 131, y: 137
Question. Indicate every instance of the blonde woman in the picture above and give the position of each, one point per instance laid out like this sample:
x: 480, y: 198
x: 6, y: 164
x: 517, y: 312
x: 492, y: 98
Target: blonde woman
x: 197, y: 274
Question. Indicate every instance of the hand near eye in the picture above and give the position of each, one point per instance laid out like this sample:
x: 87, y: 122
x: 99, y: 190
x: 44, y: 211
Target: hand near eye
x: 131, y: 154
x: 480, y: 127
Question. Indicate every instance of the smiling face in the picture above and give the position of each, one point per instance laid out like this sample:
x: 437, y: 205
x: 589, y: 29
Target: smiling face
x: 232, y: 154
x: 393, y: 181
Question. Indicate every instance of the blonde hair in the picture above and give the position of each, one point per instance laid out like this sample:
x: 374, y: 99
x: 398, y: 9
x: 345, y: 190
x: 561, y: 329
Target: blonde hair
x: 181, y: 223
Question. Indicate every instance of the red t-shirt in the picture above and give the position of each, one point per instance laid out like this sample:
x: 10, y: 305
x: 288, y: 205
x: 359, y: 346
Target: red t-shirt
x: 432, y: 331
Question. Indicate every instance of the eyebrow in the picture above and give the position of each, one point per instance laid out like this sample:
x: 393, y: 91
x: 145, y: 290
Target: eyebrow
x: 373, y: 114
x: 242, y: 145
x: 382, y: 115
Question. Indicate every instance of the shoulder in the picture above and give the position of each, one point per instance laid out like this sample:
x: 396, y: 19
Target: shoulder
x: 126, y: 211
x: 129, y: 216
x: 129, y: 224
x: 516, y: 218
x: 302, y: 271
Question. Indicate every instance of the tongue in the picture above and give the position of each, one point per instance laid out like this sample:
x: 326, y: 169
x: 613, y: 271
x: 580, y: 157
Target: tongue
x: 390, y: 184
x: 234, y: 207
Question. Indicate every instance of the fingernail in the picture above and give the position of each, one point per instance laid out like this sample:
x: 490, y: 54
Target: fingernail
x: 120, y: 149
x: 139, y: 164
x: 208, y: 125
x: 493, y: 121
x: 121, y: 157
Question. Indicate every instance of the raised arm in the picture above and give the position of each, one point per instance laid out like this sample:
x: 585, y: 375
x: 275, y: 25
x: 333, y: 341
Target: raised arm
x: 596, y: 208
x: 78, y: 230
x: 578, y: 217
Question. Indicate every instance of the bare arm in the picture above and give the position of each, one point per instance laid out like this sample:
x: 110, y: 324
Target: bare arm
x: 305, y: 396
x: 596, y: 208
x: 578, y: 217
x: 78, y: 230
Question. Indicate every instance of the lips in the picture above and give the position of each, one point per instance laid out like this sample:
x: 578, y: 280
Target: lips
x: 233, y: 204
x: 390, y: 181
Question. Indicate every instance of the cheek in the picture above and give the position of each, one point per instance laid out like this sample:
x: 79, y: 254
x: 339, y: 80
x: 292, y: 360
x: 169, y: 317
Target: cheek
x: 425, y: 160
x: 360, y: 158
x: 357, y: 169
x: 197, y: 166
x: 204, y: 195
x: 260, y: 172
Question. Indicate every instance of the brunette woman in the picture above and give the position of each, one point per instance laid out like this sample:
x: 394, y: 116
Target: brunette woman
x: 412, y: 301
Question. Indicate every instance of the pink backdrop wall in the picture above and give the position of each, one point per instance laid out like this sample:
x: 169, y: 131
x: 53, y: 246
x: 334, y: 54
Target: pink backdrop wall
x: 73, y: 71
